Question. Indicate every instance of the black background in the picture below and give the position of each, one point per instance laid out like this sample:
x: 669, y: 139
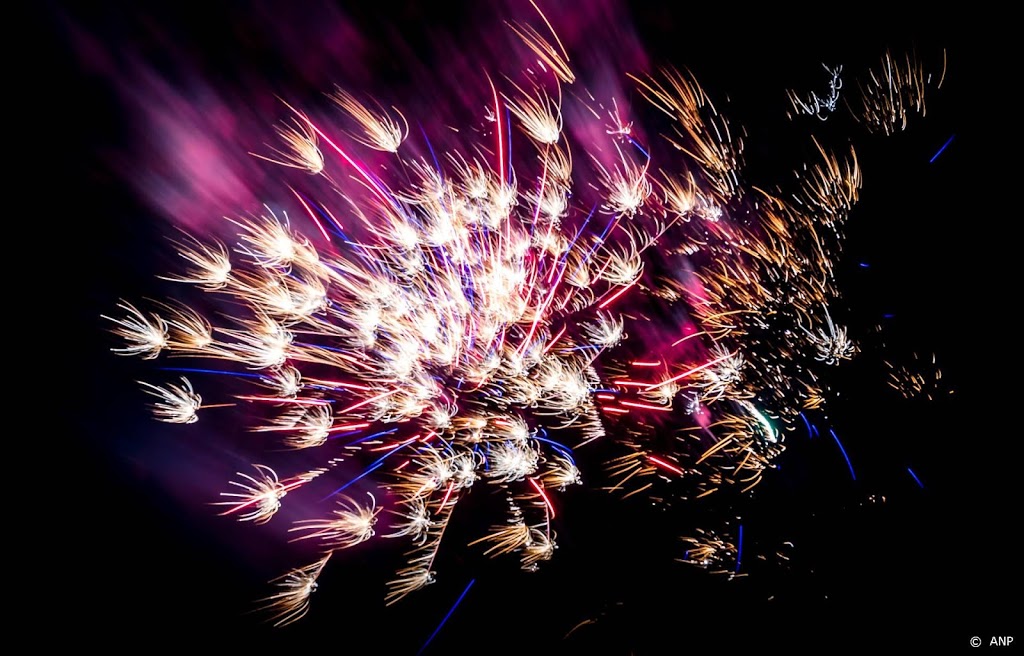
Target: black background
x: 925, y: 569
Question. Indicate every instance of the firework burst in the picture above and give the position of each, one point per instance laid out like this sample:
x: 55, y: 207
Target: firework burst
x: 429, y: 319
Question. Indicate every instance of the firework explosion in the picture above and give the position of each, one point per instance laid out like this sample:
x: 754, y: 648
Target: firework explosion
x: 426, y: 314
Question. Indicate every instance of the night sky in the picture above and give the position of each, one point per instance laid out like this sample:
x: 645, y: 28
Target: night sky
x: 881, y: 560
